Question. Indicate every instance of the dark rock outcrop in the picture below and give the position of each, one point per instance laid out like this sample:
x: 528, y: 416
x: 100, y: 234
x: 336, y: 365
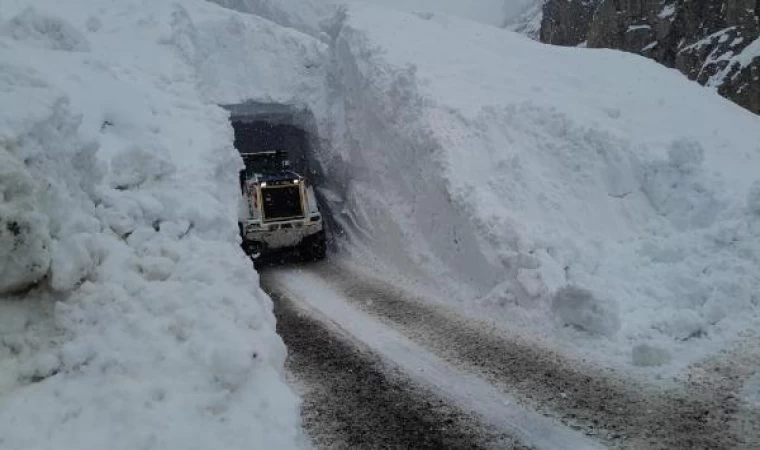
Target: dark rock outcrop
x: 567, y: 22
x: 713, y: 42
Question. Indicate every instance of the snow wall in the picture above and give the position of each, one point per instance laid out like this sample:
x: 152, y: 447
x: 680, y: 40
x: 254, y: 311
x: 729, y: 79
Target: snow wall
x: 591, y: 196
x: 129, y: 317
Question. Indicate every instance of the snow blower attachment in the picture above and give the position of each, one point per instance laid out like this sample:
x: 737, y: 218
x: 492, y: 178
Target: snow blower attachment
x: 281, y: 210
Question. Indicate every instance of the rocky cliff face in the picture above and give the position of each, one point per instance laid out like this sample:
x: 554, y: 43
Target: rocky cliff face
x: 714, y: 42
x: 567, y: 22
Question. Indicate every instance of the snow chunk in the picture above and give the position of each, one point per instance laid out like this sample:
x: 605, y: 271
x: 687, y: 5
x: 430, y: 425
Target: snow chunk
x: 93, y: 24
x: 45, y: 31
x: 751, y: 390
x: 44, y: 192
x: 682, y: 324
x: 753, y: 199
x: 645, y: 355
x: 24, y: 242
x: 680, y: 189
x: 579, y: 307
x: 73, y: 259
x: 24, y: 234
x: 686, y: 155
x: 137, y: 165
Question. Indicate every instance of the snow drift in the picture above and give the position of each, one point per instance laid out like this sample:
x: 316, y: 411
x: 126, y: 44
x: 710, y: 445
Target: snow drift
x: 582, y: 193
x: 129, y: 317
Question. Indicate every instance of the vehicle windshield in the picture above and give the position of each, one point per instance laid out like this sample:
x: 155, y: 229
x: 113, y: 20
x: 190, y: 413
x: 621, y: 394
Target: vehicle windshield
x: 270, y: 162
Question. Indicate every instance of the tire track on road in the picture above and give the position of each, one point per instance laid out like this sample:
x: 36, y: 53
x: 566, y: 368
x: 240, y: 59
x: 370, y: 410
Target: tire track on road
x: 620, y: 412
x: 351, y: 399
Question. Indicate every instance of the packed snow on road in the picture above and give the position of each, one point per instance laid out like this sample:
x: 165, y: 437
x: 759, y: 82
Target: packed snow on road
x: 590, y: 200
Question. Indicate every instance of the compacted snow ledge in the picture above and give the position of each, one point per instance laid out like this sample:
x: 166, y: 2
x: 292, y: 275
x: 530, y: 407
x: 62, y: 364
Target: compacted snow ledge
x: 129, y: 317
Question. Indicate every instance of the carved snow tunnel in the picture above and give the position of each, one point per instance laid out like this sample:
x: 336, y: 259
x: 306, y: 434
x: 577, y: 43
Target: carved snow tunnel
x: 272, y: 126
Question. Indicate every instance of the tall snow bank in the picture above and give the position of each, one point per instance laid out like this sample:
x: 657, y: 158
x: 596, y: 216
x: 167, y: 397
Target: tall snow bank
x: 472, y: 156
x: 242, y: 58
x: 129, y: 317
x: 301, y: 15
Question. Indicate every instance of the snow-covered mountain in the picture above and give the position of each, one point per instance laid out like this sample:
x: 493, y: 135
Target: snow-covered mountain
x: 489, y: 12
x: 594, y: 200
x: 715, y: 42
x: 527, y: 19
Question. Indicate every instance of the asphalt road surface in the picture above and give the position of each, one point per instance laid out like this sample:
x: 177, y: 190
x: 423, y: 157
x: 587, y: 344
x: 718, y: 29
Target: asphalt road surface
x: 378, y: 368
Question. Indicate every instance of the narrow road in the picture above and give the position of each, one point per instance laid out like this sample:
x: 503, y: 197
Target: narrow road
x: 353, y: 400
x: 383, y: 369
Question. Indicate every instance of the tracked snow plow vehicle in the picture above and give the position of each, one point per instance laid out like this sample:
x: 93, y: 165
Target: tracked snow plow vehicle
x: 280, y: 210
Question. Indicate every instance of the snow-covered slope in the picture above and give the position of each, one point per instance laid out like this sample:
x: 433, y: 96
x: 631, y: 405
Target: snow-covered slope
x: 489, y: 12
x: 527, y: 20
x: 129, y: 317
x: 580, y: 193
x: 302, y: 15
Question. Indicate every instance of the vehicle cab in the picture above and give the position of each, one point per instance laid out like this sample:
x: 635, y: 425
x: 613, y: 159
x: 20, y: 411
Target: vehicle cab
x: 280, y: 208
